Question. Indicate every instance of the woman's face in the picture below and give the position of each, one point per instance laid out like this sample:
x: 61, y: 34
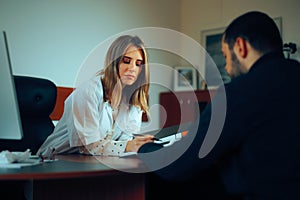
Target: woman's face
x: 130, y: 66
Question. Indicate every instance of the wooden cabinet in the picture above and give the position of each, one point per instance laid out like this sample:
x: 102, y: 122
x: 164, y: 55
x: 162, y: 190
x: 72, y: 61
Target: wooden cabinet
x: 182, y: 107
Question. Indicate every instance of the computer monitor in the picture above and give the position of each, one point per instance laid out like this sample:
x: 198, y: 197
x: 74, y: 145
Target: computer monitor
x: 10, y: 120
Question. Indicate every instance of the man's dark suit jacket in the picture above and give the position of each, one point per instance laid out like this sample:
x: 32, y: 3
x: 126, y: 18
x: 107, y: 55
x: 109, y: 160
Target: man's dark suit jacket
x: 258, y: 151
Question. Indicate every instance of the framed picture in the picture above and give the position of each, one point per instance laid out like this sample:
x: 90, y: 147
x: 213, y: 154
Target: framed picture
x: 211, y: 40
x: 185, y: 78
x: 278, y: 22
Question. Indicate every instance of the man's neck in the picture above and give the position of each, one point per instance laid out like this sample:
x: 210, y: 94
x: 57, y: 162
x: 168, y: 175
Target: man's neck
x: 252, y: 56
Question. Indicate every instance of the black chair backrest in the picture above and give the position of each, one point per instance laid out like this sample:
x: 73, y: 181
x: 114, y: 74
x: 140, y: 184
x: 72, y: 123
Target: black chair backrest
x: 36, y: 98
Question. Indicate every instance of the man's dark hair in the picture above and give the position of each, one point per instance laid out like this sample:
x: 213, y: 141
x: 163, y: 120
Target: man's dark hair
x: 258, y: 29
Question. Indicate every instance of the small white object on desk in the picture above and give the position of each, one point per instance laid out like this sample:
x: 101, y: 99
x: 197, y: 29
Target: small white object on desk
x: 17, y: 159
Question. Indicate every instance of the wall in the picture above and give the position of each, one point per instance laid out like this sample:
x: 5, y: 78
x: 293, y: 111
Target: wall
x: 52, y: 39
x: 197, y: 16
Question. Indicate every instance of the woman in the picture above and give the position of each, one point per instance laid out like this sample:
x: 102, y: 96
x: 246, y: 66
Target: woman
x: 102, y: 114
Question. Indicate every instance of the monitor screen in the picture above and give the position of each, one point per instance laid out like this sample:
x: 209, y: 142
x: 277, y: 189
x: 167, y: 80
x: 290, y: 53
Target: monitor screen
x: 10, y: 120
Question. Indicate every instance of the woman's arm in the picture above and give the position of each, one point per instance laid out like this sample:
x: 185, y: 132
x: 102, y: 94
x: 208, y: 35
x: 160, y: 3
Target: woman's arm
x: 114, y: 148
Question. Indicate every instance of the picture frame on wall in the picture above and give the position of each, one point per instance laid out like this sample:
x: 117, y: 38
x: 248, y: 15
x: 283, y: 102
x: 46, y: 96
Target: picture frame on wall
x: 211, y: 40
x: 185, y: 78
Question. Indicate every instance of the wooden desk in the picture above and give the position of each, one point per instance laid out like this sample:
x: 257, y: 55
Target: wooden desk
x: 80, y: 177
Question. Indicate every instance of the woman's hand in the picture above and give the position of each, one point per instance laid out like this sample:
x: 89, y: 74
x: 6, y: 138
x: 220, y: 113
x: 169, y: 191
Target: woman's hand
x: 137, y: 142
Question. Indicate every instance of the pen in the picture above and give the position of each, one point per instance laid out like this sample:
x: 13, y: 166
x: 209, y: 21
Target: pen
x: 156, y: 139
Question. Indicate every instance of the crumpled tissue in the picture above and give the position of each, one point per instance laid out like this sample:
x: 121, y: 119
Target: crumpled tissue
x: 14, y: 156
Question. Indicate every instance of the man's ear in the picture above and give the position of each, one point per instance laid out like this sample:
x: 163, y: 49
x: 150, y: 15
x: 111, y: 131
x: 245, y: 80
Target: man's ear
x: 240, y: 47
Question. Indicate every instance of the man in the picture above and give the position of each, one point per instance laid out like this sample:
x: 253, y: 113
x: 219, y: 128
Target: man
x: 258, y: 151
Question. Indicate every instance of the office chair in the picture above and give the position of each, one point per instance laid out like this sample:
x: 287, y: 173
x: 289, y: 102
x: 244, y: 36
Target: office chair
x: 36, y: 99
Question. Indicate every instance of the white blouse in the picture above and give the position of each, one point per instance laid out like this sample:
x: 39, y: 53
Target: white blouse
x: 87, y: 124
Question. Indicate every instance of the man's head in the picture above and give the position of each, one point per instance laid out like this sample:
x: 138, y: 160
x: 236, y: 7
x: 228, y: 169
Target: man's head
x: 247, y: 38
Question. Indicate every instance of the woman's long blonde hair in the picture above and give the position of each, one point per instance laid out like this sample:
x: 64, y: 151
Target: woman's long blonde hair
x: 136, y: 94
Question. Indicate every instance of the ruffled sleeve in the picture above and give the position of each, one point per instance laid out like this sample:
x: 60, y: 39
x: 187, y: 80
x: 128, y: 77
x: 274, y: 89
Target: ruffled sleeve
x: 88, y: 114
